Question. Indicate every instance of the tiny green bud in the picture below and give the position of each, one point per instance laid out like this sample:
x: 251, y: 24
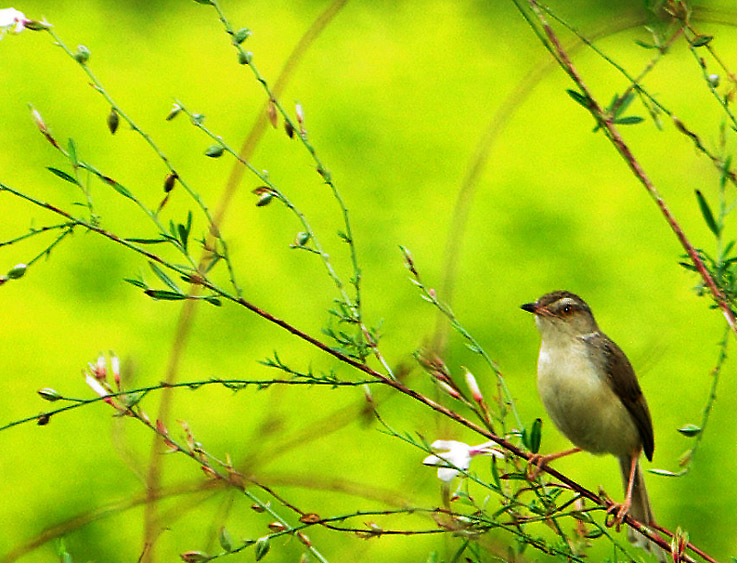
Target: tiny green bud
x: 173, y: 112
x: 198, y: 118
x: 214, y: 151
x: 302, y: 238
x: 241, y: 35
x: 261, y: 548
x: 264, y: 199
x: 82, y: 55
x: 35, y: 25
x: 244, y: 57
x: 713, y: 80
x: 49, y: 394
x: 17, y: 271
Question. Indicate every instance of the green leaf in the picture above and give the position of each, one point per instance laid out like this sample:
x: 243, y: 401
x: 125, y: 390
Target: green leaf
x: 706, y: 212
x: 72, y: 152
x: 183, y: 235
x: 137, y: 283
x: 146, y: 240
x: 63, y: 175
x: 625, y: 103
x: 664, y: 473
x: 164, y: 277
x: 160, y: 294
x: 226, y: 541
x: 132, y: 399
x: 213, y: 300
x: 122, y: 190
x: 184, y: 230
x: 536, y: 435
x: 214, y: 151
x: 630, y: 120
x: 495, y: 473
x: 690, y: 430
x: 701, y: 40
x: 645, y: 45
x: 578, y: 98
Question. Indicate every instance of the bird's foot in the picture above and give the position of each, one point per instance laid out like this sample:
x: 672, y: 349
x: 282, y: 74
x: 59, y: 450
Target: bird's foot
x: 616, y: 513
x: 537, y: 462
x: 535, y: 465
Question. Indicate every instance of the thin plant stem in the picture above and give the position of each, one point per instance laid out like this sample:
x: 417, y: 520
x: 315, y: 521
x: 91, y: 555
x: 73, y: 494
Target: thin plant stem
x: 550, y: 40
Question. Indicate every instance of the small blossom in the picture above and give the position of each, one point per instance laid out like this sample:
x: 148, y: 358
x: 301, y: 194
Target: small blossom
x: 453, y: 456
x: 12, y: 20
x: 99, y: 369
x: 473, y: 387
x: 38, y: 120
x: 115, y: 368
x: 300, y: 114
x: 96, y: 386
x: 449, y: 390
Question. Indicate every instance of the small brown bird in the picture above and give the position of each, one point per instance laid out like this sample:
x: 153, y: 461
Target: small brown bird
x: 591, y: 393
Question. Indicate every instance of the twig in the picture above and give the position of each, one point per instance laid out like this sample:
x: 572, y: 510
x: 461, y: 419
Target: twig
x: 614, y: 136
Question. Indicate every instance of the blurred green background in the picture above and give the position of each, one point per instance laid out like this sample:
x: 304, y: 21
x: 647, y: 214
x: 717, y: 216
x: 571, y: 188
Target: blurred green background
x: 397, y: 96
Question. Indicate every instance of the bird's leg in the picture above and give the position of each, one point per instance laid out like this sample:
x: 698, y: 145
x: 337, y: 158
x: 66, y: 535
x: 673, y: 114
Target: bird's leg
x: 536, y: 462
x: 617, y: 512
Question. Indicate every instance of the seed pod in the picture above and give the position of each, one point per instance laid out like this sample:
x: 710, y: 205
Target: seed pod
x: 272, y: 114
x: 113, y: 120
x: 170, y: 181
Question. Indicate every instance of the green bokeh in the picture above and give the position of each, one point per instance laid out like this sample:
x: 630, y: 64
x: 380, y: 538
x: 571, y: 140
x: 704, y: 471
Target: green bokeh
x: 396, y: 95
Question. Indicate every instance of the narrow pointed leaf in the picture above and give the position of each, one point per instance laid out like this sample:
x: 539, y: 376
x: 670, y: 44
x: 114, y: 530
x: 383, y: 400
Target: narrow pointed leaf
x: 706, y: 212
x: 690, y: 430
x: 122, y: 190
x: 579, y: 98
x: 536, y: 435
x: 137, y: 283
x: 164, y: 277
x: 163, y: 295
x: 72, y: 152
x: 629, y: 120
x: 63, y: 175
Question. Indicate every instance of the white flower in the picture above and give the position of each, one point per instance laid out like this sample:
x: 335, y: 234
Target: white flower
x: 454, y: 457
x: 12, y: 20
x: 96, y: 386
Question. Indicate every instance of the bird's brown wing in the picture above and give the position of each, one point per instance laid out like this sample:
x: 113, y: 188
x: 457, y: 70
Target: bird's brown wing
x: 627, y: 388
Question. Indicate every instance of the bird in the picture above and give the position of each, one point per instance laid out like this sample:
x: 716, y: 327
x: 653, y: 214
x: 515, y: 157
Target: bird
x: 592, y: 395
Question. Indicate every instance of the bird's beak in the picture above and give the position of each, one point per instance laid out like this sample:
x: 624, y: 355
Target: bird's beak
x: 530, y: 307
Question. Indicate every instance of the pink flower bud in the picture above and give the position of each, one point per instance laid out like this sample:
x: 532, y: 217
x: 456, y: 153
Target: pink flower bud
x: 473, y: 387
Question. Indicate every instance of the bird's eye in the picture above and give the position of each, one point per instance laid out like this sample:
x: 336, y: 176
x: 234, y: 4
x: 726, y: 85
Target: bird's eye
x: 567, y: 310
